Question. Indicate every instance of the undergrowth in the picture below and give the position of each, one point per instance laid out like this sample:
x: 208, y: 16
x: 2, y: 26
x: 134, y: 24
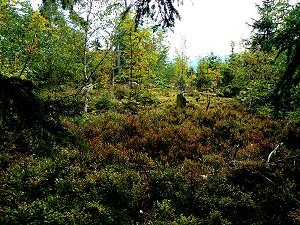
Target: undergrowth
x: 159, y: 166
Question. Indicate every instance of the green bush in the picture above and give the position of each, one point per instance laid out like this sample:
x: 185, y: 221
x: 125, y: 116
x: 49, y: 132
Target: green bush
x: 104, y: 102
x: 160, y: 166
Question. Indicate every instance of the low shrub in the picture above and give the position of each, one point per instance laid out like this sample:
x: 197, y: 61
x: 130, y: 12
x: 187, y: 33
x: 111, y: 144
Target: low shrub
x: 158, y: 166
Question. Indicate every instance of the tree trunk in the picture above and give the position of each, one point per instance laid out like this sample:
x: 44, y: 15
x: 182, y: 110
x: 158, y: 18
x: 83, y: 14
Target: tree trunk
x: 85, y: 76
x: 181, y: 101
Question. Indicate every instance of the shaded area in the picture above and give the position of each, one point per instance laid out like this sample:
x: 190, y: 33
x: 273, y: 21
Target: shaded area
x: 28, y: 123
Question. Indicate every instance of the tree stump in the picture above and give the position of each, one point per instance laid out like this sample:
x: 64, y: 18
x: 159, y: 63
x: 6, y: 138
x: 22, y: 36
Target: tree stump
x: 181, y: 101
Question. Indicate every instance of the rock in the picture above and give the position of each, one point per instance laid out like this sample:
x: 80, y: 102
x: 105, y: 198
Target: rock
x: 132, y: 84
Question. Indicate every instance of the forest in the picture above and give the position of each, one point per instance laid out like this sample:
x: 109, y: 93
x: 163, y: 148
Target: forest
x: 98, y: 125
